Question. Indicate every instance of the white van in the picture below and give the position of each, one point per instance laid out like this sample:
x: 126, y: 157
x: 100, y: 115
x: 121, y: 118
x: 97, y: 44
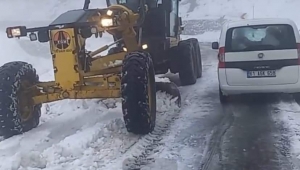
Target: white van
x: 258, y: 56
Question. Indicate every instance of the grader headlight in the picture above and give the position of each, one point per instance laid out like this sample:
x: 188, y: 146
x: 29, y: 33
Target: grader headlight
x: 145, y: 46
x: 107, y: 22
x: 109, y: 12
x: 19, y: 31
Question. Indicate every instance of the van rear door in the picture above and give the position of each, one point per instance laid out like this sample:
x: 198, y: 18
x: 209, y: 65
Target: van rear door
x: 261, y: 55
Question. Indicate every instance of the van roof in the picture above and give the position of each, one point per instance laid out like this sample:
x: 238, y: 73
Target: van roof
x: 258, y: 21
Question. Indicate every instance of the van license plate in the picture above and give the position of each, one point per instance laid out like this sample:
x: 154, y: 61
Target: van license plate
x: 263, y: 73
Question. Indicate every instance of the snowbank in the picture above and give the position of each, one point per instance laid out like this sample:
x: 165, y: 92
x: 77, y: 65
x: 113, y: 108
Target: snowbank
x: 205, y: 37
x: 236, y: 10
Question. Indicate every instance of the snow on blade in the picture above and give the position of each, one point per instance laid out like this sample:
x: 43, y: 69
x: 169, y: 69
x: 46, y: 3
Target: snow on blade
x: 159, y: 78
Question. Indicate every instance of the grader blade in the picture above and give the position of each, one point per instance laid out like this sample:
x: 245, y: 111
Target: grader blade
x: 171, y: 89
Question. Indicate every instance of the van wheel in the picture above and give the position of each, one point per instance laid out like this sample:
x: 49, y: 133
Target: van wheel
x: 222, y: 97
x: 197, y: 51
x: 187, y: 63
x: 296, y: 97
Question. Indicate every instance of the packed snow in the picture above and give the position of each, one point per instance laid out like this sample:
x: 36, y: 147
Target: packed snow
x: 288, y: 114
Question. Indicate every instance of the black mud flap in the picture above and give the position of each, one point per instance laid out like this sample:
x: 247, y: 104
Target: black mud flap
x: 171, y: 89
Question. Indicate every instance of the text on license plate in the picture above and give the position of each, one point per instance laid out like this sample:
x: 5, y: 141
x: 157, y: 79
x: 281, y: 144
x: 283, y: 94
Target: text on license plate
x: 263, y: 73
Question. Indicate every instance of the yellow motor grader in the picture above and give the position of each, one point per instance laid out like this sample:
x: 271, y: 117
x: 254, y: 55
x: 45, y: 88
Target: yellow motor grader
x: 146, y: 42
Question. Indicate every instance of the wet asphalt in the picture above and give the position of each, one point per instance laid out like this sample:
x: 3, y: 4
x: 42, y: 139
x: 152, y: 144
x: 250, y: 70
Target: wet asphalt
x: 245, y: 137
x: 252, y: 140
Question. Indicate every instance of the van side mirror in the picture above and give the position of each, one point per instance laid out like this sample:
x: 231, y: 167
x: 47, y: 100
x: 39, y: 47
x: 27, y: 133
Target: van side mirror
x: 215, y: 45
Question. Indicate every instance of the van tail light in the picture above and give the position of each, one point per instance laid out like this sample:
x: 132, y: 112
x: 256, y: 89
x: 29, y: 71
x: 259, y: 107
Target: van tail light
x: 298, y: 50
x: 221, y: 57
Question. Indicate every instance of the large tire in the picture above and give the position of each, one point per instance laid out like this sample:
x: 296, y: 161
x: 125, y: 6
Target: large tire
x: 13, y: 76
x: 187, y: 63
x: 173, y: 59
x: 196, y: 45
x: 138, y: 93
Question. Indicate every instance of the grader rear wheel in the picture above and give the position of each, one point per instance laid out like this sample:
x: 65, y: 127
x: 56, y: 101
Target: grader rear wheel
x: 196, y: 45
x: 138, y: 93
x: 187, y: 63
x: 17, y: 113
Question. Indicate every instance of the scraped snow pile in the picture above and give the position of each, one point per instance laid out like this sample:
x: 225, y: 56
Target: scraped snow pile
x: 87, y: 134
x: 215, y: 11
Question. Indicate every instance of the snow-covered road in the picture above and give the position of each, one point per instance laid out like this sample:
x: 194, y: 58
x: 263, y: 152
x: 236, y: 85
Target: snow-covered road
x: 90, y: 134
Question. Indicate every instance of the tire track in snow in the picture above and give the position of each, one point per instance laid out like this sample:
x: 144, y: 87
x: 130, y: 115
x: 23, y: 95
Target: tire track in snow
x: 286, y: 116
x: 215, y: 141
x: 187, y: 143
x: 142, y: 144
x: 142, y: 147
x: 148, y: 143
x: 141, y: 153
x: 90, y: 142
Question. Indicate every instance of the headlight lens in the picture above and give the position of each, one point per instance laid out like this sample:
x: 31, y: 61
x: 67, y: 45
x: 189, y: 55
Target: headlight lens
x: 15, y: 32
x: 145, y: 46
x: 107, y: 22
x: 19, y: 31
x: 109, y: 12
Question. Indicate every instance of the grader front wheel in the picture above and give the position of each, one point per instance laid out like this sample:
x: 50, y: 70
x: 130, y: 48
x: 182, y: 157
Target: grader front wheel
x: 16, y: 113
x: 138, y: 93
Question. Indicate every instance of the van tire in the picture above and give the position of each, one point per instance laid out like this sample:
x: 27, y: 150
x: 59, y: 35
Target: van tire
x: 223, y: 98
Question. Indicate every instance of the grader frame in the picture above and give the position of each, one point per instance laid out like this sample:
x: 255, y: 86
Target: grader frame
x: 92, y: 77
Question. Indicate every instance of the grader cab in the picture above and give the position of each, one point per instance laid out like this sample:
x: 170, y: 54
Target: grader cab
x: 147, y: 42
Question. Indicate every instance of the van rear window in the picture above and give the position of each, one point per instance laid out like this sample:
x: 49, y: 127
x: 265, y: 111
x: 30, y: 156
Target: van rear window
x: 260, y: 37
